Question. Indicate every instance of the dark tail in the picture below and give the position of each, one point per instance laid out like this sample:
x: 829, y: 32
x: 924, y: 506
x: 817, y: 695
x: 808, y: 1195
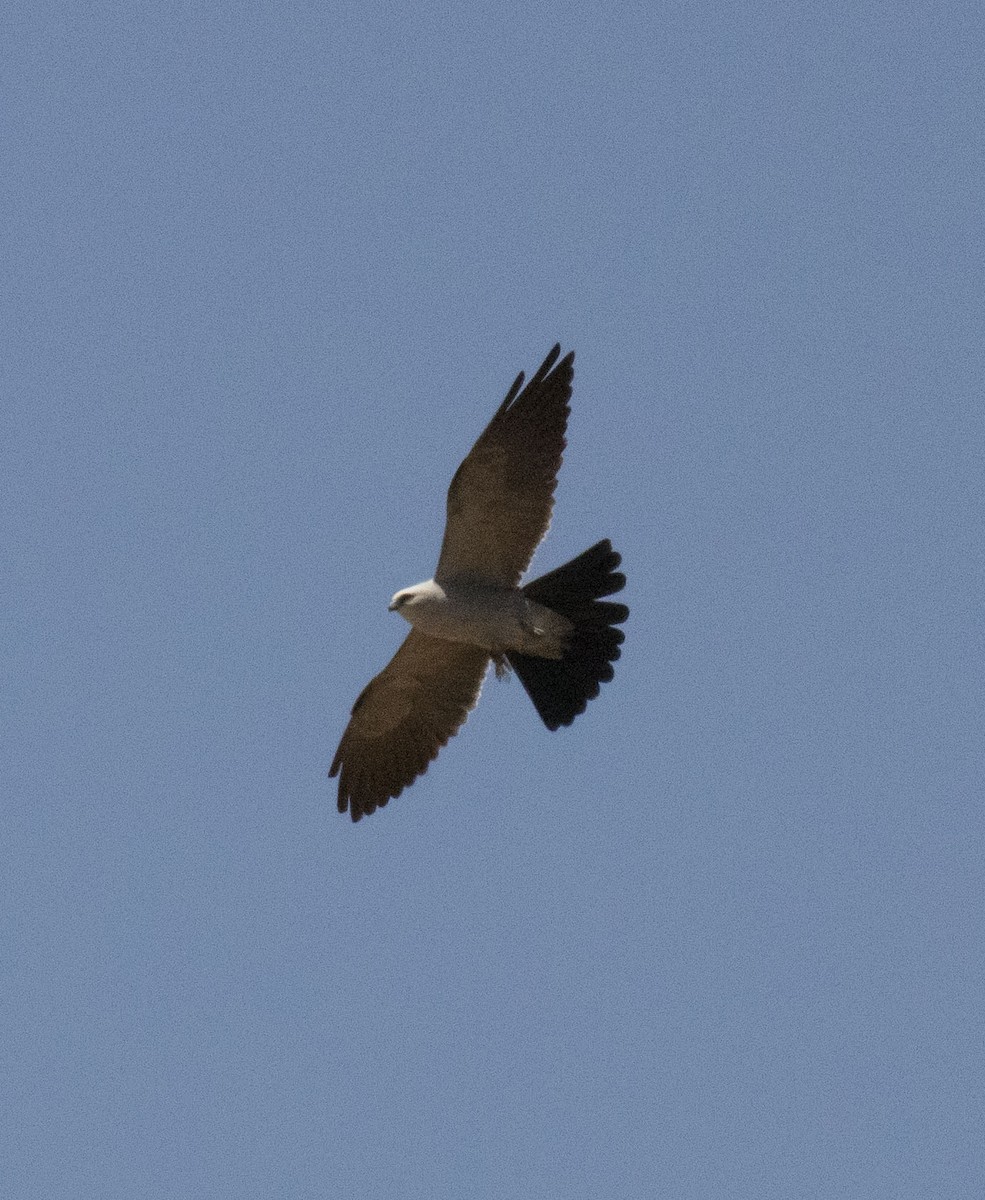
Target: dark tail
x: 561, y: 688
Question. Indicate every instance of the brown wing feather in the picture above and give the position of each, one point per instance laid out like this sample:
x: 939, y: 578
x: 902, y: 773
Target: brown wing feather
x: 501, y: 498
x: 403, y: 717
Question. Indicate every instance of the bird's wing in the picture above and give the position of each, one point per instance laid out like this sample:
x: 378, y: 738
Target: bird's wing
x: 403, y: 717
x: 500, y: 500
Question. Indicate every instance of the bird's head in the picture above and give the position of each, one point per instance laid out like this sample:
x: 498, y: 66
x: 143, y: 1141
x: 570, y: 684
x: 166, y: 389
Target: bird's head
x: 403, y: 600
x: 410, y: 602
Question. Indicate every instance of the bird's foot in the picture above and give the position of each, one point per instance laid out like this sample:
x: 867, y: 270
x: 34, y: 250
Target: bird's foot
x: 502, y: 667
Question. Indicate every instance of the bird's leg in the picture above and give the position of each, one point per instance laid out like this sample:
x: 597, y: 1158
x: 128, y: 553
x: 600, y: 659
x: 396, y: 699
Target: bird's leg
x: 500, y: 664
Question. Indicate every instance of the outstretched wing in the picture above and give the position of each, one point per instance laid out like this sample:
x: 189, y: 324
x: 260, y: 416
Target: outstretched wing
x: 403, y: 717
x: 500, y: 500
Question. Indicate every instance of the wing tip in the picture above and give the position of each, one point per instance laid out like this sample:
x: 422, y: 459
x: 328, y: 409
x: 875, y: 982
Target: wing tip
x: 549, y: 367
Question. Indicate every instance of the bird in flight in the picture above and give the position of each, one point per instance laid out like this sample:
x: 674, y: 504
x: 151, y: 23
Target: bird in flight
x: 556, y: 632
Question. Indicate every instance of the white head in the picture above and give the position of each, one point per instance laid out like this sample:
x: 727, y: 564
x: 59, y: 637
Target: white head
x: 411, y: 602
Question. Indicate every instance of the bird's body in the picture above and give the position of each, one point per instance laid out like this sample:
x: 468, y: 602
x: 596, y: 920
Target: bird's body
x: 556, y: 632
x: 495, y: 618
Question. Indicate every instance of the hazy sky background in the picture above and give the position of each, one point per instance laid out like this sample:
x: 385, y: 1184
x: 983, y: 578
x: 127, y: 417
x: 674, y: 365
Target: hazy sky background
x: 268, y: 270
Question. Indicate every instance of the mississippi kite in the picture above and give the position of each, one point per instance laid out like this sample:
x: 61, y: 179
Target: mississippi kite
x: 556, y: 632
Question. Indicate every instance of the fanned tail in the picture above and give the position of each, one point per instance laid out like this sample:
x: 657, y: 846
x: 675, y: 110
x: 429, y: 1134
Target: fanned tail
x: 561, y: 688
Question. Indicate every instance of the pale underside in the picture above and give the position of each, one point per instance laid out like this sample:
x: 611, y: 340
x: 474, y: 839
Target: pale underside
x: 495, y: 618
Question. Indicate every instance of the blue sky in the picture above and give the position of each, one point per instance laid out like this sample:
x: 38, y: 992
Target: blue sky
x: 269, y: 270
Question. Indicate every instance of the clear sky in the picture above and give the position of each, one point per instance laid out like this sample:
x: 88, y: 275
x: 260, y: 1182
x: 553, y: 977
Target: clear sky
x: 268, y: 270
